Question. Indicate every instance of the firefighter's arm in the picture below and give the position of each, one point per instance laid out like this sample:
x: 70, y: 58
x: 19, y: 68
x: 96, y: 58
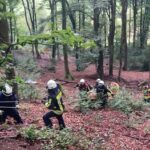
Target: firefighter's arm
x: 48, y: 103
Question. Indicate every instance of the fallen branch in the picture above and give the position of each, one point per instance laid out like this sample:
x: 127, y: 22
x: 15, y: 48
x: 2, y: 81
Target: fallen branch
x: 66, y: 82
x: 137, y: 138
x: 9, y: 137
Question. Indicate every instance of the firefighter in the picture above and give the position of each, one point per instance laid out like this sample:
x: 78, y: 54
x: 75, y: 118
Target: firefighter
x: 8, y: 102
x: 146, y: 92
x: 83, y: 86
x: 55, y: 104
x: 102, y: 92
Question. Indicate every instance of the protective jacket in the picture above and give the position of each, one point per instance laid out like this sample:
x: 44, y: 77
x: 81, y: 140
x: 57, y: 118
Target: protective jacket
x: 8, y: 100
x: 101, y: 89
x: 84, y: 87
x: 54, y: 100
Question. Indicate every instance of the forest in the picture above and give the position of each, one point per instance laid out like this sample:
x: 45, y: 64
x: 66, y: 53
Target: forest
x: 58, y: 47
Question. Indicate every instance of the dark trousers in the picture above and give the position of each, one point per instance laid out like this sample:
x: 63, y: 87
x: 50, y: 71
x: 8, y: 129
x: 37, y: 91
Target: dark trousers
x: 12, y: 112
x: 48, y: 121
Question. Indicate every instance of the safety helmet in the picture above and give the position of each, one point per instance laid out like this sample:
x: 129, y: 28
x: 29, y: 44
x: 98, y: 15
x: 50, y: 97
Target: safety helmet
x: 101, y: 82
x: 51, y: 84
x: 82, y: 81
x: 98, y: 80
x: 7, y: 89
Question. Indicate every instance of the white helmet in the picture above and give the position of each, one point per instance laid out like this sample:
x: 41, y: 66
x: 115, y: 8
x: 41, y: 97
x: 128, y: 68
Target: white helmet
x: 98, y: 80
x: 51, y: 84
x: 8, y: 89
x: 82, y: 81
x: 101, y: 82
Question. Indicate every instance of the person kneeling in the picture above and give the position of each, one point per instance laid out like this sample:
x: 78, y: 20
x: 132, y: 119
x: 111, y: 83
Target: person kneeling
x: 55, y: 104
x: 8, y: 102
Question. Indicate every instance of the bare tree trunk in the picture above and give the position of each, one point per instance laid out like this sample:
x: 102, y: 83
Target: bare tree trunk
x: 145, y: 25
x: 130, y: 16
x: 134, y: 20
x: 124, y: 48
x: 79, y: 18
x: 111, y: 36
x: 65, y: 48
x: 52, y: 7
x: 98, y: 42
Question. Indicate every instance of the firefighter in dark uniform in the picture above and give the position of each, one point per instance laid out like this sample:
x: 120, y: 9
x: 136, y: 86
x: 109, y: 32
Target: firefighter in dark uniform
x: 83, y: 86
x: 102, y: 92
x: 55, y: 104
x: 8, y: 101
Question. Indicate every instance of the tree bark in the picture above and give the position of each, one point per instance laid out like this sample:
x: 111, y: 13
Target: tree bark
x: 111, y: 35
x: 134, y: 21
x: 98, y: 42
x: 124, y: 48
x: 65, y: 48
x: 145, y: 25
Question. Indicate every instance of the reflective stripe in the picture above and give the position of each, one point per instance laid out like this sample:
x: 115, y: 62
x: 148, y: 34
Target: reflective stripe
x: 48, y: 103
x: 59, y: 95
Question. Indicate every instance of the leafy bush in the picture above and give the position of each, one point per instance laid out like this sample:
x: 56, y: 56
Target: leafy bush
x: 28, y: 91
x: 84, y: 104
x: 139, y: 59
x: 26, y: 65
x: 29, y: 133
x: 125, y: 102
x: 55, y: 139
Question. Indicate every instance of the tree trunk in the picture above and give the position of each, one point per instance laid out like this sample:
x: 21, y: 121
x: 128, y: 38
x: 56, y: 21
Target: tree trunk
x: 52, y: 7
x: 111, y: 36
x: 124, y: 5
x: 134, y: 20
x: 65, y: 48
x: 79, y: 17
x: 4, y: 35
x: 98, y: 42
x: 146, y: 23
x: 141, y: 23
x: 130, y: 16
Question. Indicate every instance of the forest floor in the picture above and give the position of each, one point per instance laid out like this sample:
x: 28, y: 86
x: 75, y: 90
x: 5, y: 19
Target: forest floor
x: 111, y: 128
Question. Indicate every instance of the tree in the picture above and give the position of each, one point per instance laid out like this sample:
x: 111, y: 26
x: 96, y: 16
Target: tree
x: 124, y: 4
x: 65, y: 48
x: 134, y: 20
x: 111, y: 35
x: 31, y: 20
x: 145, y: 24
x: 98, y: 40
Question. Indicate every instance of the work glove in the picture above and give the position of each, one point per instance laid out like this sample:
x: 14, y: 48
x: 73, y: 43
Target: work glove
x: 17, y: 106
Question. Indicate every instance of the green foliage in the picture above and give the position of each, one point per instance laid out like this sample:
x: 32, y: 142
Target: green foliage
x: 139, y: 59
x: 17, y: 80
x: 55, y: 139
x: 63, y: 37
x: 125, y: 102
x: 30, y: 133
x: 84, y: 104
x: 86, y: 57
x: 5, y: 15
x: 28, y: 92
x: 26, y: 66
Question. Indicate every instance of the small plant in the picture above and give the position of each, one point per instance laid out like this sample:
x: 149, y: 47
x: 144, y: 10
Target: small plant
x: 84, y: 104
x: 125, y: 102
x: 27, y: 91
x: 55, y: 139
x: 30, y: 133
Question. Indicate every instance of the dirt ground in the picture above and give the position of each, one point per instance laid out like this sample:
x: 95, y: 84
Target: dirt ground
x: 110, y: 127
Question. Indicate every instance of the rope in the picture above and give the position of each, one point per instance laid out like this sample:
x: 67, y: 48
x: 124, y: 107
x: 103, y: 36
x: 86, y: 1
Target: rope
x: 6, y: 107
